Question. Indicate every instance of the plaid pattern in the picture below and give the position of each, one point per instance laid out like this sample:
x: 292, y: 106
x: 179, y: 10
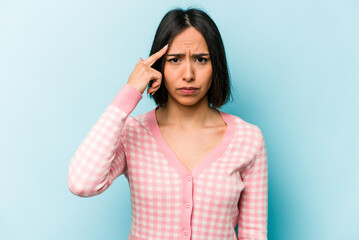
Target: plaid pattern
x: 168, y: 201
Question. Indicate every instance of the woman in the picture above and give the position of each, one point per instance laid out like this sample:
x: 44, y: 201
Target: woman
x: 194, y: 172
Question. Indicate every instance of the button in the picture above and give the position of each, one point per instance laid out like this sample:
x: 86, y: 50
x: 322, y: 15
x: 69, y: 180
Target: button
x: 185, y: 232
x: 189, y: 178
x: 188, y: 205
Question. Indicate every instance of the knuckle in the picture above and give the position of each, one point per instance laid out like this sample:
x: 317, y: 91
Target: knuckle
x: 148, y: 71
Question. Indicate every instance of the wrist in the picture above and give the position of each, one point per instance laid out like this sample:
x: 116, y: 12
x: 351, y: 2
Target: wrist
x: 127, y: 98
x: 140, y: 89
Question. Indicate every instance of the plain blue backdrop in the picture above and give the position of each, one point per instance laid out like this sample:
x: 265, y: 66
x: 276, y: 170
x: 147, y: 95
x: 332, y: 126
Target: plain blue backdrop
x: 294, y: 67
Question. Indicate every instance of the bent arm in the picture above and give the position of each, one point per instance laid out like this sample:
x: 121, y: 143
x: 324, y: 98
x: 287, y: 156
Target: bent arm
x: 100, y: 158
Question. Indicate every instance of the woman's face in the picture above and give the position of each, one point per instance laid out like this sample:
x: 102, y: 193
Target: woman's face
x: 188, y: 68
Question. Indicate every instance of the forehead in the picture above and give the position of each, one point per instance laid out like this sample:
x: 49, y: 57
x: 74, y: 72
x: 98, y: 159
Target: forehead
x: 189, y: 39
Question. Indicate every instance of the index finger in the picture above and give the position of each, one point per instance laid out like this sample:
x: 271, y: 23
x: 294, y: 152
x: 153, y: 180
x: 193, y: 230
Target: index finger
x: 154, y: 57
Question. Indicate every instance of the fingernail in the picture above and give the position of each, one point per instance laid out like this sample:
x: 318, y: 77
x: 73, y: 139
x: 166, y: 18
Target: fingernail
x: 166, y: 46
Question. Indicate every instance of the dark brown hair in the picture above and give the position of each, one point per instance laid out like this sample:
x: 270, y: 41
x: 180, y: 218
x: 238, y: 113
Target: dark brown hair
x: 173, y: 23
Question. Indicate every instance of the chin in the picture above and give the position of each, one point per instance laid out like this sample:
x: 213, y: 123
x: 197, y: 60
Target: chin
x: 188, y: 102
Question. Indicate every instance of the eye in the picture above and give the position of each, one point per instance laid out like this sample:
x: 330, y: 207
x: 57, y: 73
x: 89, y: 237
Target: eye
x: 202, y: 60
x: 173, y: 60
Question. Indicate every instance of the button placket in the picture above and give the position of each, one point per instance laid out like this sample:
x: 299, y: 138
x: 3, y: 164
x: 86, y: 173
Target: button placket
x: 187, y: 205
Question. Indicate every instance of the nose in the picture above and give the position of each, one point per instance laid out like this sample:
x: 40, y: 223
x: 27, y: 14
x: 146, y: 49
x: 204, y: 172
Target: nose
x: 188, y: 72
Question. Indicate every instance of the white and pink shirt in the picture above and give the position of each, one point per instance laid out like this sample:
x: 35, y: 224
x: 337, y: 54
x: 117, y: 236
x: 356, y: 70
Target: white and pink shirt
x: 168, y: 201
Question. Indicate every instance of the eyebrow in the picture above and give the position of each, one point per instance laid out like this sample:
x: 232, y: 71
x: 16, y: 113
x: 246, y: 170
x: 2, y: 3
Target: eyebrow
x: 182, y: 54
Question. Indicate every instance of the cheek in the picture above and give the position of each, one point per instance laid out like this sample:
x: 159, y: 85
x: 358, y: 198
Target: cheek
x: 169, y: 75
x: 209, y: 76
x: 166, y: 78
x: 166, y: 72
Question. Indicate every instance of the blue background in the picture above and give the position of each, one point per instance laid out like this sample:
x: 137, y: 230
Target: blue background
x: 295, y: 70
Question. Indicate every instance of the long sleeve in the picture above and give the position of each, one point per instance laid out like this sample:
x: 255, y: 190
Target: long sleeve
x: 253, y: 205
x: 100, y: 158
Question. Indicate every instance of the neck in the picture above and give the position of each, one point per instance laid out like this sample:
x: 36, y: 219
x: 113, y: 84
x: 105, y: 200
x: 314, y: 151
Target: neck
x: 200, y: 114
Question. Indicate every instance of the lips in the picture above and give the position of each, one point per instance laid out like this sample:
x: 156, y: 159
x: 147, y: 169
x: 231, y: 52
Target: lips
x: 188, y: 90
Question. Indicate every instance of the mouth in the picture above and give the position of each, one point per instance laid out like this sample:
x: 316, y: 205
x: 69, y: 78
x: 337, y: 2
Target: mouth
x: 188, y: 90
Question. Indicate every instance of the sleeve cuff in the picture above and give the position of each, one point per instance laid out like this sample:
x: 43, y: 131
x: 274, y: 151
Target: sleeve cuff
x: 127, y: 98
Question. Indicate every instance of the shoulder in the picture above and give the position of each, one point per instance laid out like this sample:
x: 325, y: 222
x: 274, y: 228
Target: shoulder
x: 243, y: 130
x: 140, y: 121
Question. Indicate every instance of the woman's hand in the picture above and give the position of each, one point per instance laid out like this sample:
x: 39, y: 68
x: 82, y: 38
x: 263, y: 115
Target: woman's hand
x: 143, y: 73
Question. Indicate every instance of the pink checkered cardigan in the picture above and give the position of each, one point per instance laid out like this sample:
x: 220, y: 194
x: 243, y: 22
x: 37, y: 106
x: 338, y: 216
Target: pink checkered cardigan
x: 168, y: 201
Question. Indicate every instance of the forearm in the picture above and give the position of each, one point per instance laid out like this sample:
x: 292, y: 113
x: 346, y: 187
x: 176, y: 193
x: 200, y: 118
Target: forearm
x: 100, y: 158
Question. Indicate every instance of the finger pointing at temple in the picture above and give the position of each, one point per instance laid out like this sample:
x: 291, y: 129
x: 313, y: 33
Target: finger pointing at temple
x: 144, y: 73
x: 154, y: 57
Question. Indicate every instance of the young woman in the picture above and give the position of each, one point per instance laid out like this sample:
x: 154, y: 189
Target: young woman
x: 194, y: 172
